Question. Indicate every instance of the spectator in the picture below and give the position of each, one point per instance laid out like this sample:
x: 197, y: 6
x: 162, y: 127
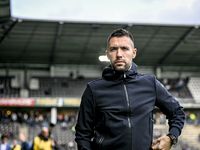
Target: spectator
x: 192, y: 117
x: 66, y: 117
x: 1, y: 88
x: 185, y: 147
x: 166, y: 84
x: 47, y: 91
x: 60, y: 117
x: 71, y: 75
x: 24, y: 144
x: 15, y: 145
x: 186, y: 80
x: 70, y: 144
x: 43, y: 141
x: 179, y: 85
x: 64, y: 125
x: 187, y: 117
x: 4, y: 117
x: 20, y: 117
x: 4, y: 145
x: 36, y: 117
x: 40, y: 118
x: 14, y: 117
x: 31, y: 119
x: 65, y: 83
x: 73, y: 129
x: 72, y: 117
x: 25, y: 117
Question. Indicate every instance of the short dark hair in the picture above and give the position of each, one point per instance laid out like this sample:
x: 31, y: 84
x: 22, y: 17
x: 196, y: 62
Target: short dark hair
x: 119, y: 33
x: 3, y: 136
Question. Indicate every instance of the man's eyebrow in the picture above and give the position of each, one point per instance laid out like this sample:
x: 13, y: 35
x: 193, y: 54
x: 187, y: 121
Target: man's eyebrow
x: 125, y: 46
x: 112, y: 47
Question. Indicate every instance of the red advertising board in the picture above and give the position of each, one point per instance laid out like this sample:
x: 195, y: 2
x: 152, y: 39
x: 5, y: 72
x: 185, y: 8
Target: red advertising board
x: 16, y: 102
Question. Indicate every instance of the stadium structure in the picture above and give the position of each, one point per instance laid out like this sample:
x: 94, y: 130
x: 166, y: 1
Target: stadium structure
x: 45, y: 66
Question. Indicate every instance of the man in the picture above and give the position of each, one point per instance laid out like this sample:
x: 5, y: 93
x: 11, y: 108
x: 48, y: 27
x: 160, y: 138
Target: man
x: 24, y: 144
x: 43, y: 141
x: 15, y: 145
x: 4, y: 145
x: 116, y: 111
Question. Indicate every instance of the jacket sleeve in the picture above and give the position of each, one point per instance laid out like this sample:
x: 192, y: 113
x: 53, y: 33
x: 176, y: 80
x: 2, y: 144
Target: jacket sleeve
x: 171, y: 108
x: 85, y: 123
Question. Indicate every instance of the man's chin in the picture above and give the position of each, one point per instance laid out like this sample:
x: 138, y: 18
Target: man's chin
x: 119, y: 69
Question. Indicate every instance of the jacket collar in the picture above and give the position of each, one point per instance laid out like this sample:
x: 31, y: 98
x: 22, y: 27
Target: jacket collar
x: 43, y: 138
x: 110, y: 74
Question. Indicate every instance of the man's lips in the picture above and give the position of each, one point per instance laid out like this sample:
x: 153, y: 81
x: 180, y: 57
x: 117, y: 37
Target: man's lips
x: 119, y: 62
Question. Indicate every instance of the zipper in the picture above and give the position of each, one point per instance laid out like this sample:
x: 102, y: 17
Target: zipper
x: 129, y: 121
x: 103, y: 135
x: 101, y: 140
x: 150, y: 120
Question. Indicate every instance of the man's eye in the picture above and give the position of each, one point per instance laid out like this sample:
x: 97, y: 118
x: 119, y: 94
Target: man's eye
x: 124, y: 48
x: 112, y: 49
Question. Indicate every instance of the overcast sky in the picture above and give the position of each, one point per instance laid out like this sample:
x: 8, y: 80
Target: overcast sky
x: 126, y: 11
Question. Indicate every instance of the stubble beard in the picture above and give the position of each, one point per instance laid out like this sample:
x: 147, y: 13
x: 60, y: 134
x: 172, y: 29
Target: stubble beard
x: 123, y: 69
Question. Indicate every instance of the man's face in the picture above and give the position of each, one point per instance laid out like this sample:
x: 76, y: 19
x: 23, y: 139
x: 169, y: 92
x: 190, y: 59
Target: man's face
x: 120, y: 53
x: 15, y: 142
x: 4, y: 140
x: 45, y: 133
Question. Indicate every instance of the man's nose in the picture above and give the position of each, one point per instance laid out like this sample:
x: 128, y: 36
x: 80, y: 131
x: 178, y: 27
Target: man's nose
x: 119, y: 53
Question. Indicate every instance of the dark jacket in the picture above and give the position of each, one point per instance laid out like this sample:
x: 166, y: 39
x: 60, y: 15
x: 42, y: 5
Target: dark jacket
x: 24, y: 146
x: 116, y: 111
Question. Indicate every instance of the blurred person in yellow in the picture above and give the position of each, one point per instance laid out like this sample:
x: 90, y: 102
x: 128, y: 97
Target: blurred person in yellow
x: 43, y: 141
x: 15, y: 145
x: 193, y: 118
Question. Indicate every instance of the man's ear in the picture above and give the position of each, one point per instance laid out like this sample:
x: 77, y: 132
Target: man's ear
x: 134, y: 52
x: 107, y: 54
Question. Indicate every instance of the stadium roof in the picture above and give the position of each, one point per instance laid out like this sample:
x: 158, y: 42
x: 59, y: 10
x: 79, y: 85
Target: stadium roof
x: 5, y: 12
x: 33, y: 42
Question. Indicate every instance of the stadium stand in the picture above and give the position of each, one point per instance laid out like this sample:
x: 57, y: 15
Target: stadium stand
x: 6, y: 90
x: 194, y: 87
x: 65, y: 136
x: 177, y: 87
x: 41, y: 87
x: 59, y: 87
x: 63, y: 86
